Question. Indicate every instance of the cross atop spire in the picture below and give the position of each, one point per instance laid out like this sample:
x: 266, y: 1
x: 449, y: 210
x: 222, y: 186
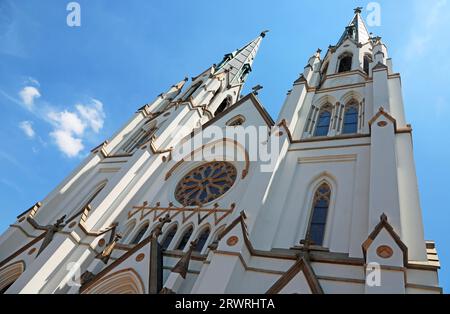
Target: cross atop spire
x: 358, y: 10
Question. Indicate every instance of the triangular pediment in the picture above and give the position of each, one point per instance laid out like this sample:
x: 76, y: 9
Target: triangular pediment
x: 249, y: 107
x: 143, y: 261
x: 384, y: 238
x: 299, y: 279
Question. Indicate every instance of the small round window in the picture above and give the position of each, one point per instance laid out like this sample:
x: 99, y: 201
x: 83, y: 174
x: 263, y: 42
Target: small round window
x: 205, y: 183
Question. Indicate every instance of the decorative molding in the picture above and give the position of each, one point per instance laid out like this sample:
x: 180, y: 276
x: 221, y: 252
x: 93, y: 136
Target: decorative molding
x: 384, y: 224
x: 186, y: 212
x: 302, y: 265
x: 327, y: 159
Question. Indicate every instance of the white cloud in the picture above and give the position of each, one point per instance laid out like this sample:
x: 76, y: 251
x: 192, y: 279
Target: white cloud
x: 27, y: 128
x: 67, y: 121
x: 28, y: 94
x: 67, y: 143
x: 70, y: 128
x: 93, y: 114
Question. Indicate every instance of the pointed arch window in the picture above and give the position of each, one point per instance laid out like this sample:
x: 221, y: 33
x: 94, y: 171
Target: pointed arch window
x: 140, y: 234
x: 201, y: 240
x: 345, y: 63
x: 191, y: 91
x: 185, y: 239
x: 350, y: 125
x: 367, y: 62
x: 323, y: 122
x: 141, y: 137
x: 318, y: 220
x: 236, y: 121
x: 169, y: 237
x: 127, y: 231
x: 223, y: 105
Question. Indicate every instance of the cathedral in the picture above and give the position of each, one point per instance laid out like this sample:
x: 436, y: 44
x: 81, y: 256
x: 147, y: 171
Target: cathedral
x: 337, y: 211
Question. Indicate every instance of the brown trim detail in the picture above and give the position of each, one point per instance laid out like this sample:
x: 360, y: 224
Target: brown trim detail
x: 384, y: 224
x: 111, y: 275
x: 113, y: 265
x: 301, y: 265
x: 382, y: 112
x: 22, y: 249
x: 32, y: 210
x: 422, y: 287
x: 262, y: 111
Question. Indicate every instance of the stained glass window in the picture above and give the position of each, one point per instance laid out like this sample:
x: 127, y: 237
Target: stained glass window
x: 323, y: 123
x: 206, y: 183
x: 169, y: 237
x: 345, y: 64
x: 184, y: 240
x: 203, y: 237
x: 350, y: 120
x: 319, y: 214
x: 139, y: 235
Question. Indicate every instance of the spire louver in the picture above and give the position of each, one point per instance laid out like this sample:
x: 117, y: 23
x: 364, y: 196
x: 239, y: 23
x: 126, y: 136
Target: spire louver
x: 239, y: 63
x: 356, y: 30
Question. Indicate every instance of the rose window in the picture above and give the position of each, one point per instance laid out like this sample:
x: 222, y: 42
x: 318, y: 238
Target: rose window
x: 205, y: 183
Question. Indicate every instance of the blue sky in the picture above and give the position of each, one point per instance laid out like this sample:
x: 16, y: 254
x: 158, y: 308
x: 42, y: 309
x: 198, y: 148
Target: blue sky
x: 64, y: 90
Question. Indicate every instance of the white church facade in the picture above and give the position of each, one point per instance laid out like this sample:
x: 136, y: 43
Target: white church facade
x: 338, y: 213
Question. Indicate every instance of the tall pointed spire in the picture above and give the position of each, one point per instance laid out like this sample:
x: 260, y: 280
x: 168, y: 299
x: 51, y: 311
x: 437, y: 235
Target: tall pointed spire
x: 356, y: 30
x: 239, y: 63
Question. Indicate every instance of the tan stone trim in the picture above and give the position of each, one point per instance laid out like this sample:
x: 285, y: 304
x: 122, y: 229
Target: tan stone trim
x: 340, y: 279
x: 423, y: 287
x: 333, y: 138
x: 189, y: 271
x: 119, y: 156
x: 32, y: 210
x: 347, y: 73
x: 327, y: 159
x: 336, y: 88
x: 422, y: 266
x: 179, y: 254
x: 301, y: 265
x: 23, y: 231
x: 327, y: 147
x: 248, y: 268
x: 22, y: 249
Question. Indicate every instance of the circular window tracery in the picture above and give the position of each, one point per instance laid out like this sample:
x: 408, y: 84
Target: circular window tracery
x: 205, y: 183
